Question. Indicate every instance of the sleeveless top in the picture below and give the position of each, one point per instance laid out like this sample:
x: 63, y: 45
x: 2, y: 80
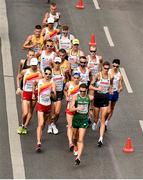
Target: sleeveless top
x: 40, y: 42
x: 44, y: 92
x: 56, y: 17
x: 84, y: 77
x: 73, y: 90
x: 74, y: 59
x: 92, y: 65
x: 83, y: 102
x: 65, y: 42
x: 104, y: 83
x: 58, y: 79
x: 46, y: 60
x: 29, y: 79
x: 116, y: 80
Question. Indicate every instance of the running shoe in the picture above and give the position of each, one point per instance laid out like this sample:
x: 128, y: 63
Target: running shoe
x: 55, y: 130
x: 38, y: 148
x: 19, y: 130
x: 24, y: 131
x: 71, y: 147
x: 75, y: 151
x: 77, y: 161
x: 49, y: 131
x: 106, y: 127
x: 94, y: 126
x: 100, y: 143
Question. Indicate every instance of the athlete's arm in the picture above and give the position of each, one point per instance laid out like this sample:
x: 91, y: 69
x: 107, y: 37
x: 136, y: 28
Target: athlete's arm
x: 81, y: 53
x: 27, y: 44
x: 20, y: 65
x: 34, y: 88
x: 120, y: 84
x: 19, y: 76
x: 53, y: 92
x: 44, y: 21
x: 92, y: 85
x: 66, y: 91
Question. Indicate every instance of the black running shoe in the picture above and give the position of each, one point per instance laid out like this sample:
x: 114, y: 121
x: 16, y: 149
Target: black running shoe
x: 38, y: 148
x: 100, y: 143
x: 71, y: 147
x: 106, y: 128
x: 77, y: 161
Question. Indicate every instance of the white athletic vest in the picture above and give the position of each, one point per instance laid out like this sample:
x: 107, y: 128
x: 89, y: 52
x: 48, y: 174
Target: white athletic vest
x: 84, y: 77
x: 44, y: 92
x: 74, y: 60
x: 116, y: 80
x: 58, y: 79
x: 56, y: 17
x: 65, y: 42
x: 93, y: 66
x: 29, y: 79
x: 46, y: 60
x: 104, y: 83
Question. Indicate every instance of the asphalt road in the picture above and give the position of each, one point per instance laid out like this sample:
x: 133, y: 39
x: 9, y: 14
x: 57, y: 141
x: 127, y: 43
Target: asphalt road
x: 124, y: 20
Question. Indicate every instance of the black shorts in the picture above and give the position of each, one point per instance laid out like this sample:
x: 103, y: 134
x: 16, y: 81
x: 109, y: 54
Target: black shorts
x: 101, y: 100
x: 59, y: 96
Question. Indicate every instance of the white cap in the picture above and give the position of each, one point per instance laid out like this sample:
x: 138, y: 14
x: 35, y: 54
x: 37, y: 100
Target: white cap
x: 51, y: 20
x: 57, y: 59
x: 34, y: 62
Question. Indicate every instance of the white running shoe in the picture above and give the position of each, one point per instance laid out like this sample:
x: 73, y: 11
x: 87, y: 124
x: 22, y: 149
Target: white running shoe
x: 94, y: 126
x: 49, y: 131
x: 55, y: 130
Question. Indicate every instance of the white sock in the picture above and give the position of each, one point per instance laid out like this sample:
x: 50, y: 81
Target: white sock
x: 106, y: 122
x: 101, y: 139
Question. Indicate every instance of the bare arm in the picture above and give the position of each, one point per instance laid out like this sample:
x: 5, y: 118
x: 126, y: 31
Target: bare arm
x: 53, y: 92
x: 27, y: 44
x: 44, y: 21
x: 121, y: 84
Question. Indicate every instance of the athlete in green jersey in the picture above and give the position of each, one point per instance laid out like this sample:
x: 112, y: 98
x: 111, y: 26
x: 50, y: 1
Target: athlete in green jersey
x: 80, y: 105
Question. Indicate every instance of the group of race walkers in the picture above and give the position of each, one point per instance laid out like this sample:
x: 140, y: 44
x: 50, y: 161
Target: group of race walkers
x: 56, y: 68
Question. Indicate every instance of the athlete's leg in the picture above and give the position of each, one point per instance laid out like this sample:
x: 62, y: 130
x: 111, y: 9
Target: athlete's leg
x: 102, y: 121
x: 69, y: 128
x: 25, y: 110
x: 110, y: 113
x: 30, y: 113
x: 40, y: 126
x: 80, y: 142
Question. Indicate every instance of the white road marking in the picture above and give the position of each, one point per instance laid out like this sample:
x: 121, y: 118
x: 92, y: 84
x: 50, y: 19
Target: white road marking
x: 114, y: 161
x: 96, y: 4
x: 126, y: 81
x: 141, y: 124
x: 107, y: 33
x: 12, y: 117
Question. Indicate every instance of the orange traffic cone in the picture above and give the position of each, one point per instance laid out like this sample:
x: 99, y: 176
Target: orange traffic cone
x: 128, y: 148
x: 80, y: 4
x: 92, y: 40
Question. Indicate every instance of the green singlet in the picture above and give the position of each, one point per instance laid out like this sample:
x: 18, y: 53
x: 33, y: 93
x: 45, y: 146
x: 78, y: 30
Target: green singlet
x: 80, y: 118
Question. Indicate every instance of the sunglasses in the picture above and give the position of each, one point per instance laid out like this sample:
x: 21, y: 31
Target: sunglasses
x: 49, y: 74
x: 49, y: 46
x: 92, y: 51
x: 57, y: 63
x: 82, y: 62
x: 82, y: 91
x: 115, y: 66
x: 106, y: 68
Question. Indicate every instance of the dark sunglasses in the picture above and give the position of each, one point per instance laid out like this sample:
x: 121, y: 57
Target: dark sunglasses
x: 106, y: 68
x: 57, y: 63
x: 82, y: 62
x: 48, y: 74
x: 115, y: 66
x: 92, y: 51
x: 49, y: 46
x: 82, y: 91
